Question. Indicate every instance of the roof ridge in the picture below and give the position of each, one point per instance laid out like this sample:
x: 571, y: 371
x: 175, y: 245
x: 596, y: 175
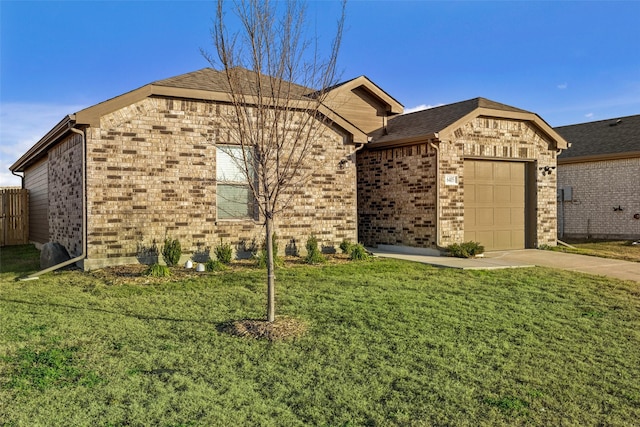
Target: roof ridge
x: 436, y: 107
x: 163, y: 82
x: 476, y: 102
x: 598, y: 121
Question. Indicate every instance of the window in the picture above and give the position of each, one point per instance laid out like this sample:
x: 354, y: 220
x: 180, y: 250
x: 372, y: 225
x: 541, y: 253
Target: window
x: 234, y: 196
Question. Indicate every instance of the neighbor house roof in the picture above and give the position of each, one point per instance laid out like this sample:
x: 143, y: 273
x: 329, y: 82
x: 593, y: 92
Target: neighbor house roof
x: 603, y: 139
x: 205, y: 84
x: 440, y: 122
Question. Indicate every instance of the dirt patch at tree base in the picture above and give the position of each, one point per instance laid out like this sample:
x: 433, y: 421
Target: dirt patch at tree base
x: 282, y: 328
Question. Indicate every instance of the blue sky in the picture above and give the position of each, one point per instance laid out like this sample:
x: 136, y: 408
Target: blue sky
x: 570, y: 62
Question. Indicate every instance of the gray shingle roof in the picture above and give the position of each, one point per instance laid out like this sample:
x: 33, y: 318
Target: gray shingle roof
x: 216, y: 81
x: 604, y: 137
x: 433, y: 120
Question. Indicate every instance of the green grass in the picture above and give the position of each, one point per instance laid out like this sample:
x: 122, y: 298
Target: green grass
x: 389, y: 343
x: 18, y: 259
x: 615, y: 249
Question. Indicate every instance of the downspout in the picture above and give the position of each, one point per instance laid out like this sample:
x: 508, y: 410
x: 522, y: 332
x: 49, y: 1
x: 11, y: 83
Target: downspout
x: 437, y: 160
x: 83, y: 255
x: 21, y: 179
x: 561, y: 193
x: 355, y: 162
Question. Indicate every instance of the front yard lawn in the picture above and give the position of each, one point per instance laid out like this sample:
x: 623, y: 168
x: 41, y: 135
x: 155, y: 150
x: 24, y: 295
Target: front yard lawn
x: 388, y: 343
x: 616, y: 249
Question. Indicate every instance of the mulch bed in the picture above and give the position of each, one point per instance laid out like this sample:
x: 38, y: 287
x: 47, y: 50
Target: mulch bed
x: 135, y: 273
x: 282, y: 328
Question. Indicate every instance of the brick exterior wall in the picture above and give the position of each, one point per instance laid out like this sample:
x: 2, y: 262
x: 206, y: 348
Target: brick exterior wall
x: 151, y: 174
x: 396, y: 186
x: 65, y: 194
x: 598, y: 188
x: 396, y: 196
x: 517, y: 140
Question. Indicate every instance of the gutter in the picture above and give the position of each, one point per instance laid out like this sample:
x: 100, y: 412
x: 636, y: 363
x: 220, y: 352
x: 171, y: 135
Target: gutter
x: 21, y: 178
x: 41, y: 146
x: 83, y: 255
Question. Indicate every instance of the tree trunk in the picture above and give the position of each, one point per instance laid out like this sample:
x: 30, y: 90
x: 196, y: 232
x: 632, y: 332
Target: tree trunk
x: 271, y: 275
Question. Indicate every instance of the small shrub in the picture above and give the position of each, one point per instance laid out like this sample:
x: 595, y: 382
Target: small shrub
x: 314, y: 256
x: 157, y: 270
x: 465, y: 250
x: 224, y: 252
x: 171, y: 252
x: 346, y: 246
x: 215, y: 265
x: 261, y: 256
x: 358, y: 253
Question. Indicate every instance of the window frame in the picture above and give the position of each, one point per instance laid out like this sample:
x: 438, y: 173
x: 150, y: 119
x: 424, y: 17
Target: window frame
x: 237, y: 180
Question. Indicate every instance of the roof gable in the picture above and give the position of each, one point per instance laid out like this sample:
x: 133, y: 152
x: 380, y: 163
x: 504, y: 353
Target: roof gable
x: 206, y: 84
x: 362, y: 103
x: 440, y: 122
x: 391, y: 105
x: 602, y: 138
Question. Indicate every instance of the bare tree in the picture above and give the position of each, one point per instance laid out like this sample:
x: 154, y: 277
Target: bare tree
x: 277, y: 81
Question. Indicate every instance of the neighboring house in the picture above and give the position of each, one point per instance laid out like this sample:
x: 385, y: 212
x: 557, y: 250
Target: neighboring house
x: 474, y: 170
x: 153, y: 168
x: 599, y: 180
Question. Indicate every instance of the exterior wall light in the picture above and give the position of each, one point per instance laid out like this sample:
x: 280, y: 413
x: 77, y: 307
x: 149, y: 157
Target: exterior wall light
x: 546, y: 170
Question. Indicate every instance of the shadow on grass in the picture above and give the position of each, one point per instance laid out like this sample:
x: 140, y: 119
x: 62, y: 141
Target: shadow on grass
x: 102, y: 310
x: 19, y: 259
x: 282, y: 329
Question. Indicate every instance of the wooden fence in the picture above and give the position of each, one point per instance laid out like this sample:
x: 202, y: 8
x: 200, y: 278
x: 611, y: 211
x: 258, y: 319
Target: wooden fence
x: 14, y: 216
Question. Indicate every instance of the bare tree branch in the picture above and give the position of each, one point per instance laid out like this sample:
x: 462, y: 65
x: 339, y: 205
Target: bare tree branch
x: 277, y: 82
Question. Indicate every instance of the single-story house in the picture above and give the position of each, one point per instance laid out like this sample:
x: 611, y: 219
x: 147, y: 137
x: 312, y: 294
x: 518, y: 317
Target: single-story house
x: 475, y: 170
x: 110, y: 182
x: 599, y: 180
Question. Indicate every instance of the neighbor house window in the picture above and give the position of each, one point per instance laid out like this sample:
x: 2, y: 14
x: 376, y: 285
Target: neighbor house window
x: 234, y: 197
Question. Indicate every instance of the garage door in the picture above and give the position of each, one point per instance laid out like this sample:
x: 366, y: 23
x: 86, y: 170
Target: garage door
x: 494, y: 201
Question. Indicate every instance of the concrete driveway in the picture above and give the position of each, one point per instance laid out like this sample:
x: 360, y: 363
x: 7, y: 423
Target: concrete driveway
x: 624, y: 270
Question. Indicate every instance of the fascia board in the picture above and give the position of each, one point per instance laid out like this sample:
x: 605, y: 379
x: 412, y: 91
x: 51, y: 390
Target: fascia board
x: 447, y: 133
x: 433, y: 137
x: 91, y: 116
x: 43, y: 144
x: 599, y: 157
x: 394, y: 106
x: 358, y: 136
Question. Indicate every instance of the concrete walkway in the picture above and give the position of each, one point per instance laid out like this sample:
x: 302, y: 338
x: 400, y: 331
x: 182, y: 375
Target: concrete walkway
x: 624, y: 270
